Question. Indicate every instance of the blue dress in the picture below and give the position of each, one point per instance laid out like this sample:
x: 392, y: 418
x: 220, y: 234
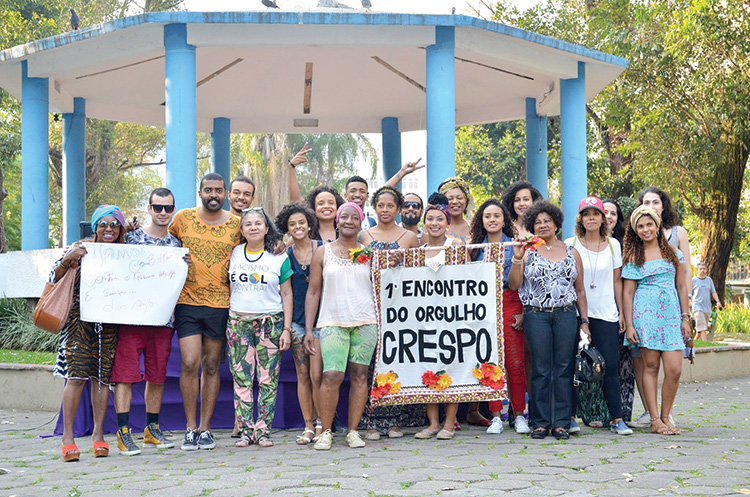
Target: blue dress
x: 656, y: 306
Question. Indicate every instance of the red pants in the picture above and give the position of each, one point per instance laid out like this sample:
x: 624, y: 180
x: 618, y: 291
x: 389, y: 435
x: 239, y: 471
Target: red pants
x: 513, y: 341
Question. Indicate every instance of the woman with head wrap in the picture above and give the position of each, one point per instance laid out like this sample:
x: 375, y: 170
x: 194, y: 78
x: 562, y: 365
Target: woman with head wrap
x: 457, y: 192
x: 87, y: 350
x: 654, y: 295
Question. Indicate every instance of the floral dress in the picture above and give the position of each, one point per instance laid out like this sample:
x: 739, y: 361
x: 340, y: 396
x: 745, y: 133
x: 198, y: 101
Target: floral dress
x: 656, y: 306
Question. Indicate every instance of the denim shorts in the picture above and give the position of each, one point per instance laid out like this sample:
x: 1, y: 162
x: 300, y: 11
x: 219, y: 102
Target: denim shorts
x: 298, y: 331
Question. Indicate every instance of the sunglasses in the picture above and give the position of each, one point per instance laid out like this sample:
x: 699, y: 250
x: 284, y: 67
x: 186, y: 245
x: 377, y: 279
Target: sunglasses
x: 254, y: 209
x: 158, y: 208
x: 112, y: 224
x: 412, y: 205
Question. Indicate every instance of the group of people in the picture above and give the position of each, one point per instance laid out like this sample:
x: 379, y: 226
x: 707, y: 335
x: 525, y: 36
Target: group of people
x: 258, y: 286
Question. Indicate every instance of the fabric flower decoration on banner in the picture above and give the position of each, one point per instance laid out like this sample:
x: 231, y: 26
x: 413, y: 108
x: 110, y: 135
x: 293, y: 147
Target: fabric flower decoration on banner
x: 360, y: 255
x: 490, y: 375
x: 385, y: 384
x: 437, y: 381
x: 533, y: 242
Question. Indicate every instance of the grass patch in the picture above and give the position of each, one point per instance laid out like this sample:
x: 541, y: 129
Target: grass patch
x: 733, y: 319
x: 27, y: 357
x: 407, y: 484
x: 17, y: 330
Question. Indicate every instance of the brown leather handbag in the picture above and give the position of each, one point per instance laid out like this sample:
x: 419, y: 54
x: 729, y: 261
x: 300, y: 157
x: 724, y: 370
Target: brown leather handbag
x: 54, y: 305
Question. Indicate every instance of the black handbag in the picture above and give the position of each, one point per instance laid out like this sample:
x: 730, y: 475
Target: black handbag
x: 590, y: 366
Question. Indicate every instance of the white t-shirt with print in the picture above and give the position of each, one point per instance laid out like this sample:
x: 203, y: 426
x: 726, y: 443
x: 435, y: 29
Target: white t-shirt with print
x: 255, y: 281
x: 599, y: 269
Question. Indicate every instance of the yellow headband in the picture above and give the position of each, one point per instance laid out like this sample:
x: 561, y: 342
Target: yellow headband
x: 641, y: 211
x: 455, y: 182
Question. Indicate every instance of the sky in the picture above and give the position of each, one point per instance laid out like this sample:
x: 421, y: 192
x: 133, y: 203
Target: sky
x: 413, y: 144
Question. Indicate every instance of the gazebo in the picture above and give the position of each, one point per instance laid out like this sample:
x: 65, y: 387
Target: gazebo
x: 318, y: 71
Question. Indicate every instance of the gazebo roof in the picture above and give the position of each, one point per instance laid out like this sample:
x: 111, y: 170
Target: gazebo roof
x: 252, y: 68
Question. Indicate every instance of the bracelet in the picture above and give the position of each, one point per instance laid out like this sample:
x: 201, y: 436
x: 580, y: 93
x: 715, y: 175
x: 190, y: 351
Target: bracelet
x: 513, y: 260
x: 285, y: 329
x: 685, y: 316
x: 63, y: 265
x: 292, y: 164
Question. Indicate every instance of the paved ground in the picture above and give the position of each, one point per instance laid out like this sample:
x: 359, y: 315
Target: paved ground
x: 711, y: 457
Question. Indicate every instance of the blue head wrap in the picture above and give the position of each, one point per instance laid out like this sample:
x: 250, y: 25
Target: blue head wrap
x: 107, y: 210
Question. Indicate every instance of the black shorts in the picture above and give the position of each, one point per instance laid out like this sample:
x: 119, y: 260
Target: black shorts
x: 192, y: 320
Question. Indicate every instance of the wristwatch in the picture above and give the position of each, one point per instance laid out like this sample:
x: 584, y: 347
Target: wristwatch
x: 583, y: 320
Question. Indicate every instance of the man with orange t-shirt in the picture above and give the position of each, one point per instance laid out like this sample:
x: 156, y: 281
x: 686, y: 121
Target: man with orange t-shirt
x: 203, y: 307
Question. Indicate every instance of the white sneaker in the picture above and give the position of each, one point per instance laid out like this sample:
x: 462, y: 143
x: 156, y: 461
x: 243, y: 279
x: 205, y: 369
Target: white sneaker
x: 354, y: 440
x: 324, y: 441
x: 496, y: 426
x: 522, y: 426
x: 643, y: 421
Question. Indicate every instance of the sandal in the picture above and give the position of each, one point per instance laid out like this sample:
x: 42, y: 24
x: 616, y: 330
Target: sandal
x: 661, y: 428
x: 561, y: 433
x: 426, y: 434
x: 445, y: 435
x: 264, y: 441
x: 306, y: 437
x: 456, y: 426
x: 539, y: 433
x: 244, y: 441
x: 478, y: 420
x: 71, y: 453
x: 101, y: 449
x: 318, y: 429
x: 672, y: 427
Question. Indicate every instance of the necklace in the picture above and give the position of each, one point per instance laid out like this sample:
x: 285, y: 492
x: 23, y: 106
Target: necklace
x: 549, y: 247
x: 596, y: 260
x: 253, y: 260
x: 306, y: 263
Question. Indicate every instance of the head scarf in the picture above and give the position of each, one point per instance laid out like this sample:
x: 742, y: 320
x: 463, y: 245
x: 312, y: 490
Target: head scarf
x: 350, y: 204
x: 641, y: 211
x: 438, y: 207
x: 456, y: 182
x: 107, y: 210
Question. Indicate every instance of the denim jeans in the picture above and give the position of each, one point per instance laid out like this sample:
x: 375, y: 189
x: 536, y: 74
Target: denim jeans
x: 552, y: 337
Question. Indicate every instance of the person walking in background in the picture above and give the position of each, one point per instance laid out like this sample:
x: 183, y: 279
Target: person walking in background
x: 260, y: 321
x: 654, y: 295
x: 601, y: 259
x: 203, y: 306
x: 155, y: 342
x: 703, y: 291
x: 87, y: 350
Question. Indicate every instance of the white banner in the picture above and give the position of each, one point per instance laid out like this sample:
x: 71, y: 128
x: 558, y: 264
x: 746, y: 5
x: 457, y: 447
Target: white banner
x: 438, y: 321
x: 131, y: 284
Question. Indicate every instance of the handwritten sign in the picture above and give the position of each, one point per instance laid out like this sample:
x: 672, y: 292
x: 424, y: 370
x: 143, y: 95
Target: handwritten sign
x: 436, y: 326
x: 131, y: 284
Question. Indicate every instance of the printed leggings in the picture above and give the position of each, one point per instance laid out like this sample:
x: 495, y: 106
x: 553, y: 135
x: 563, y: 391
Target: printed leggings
x: 254, y: 343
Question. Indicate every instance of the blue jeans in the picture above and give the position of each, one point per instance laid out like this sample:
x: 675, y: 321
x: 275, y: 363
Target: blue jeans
x: 552, y: 337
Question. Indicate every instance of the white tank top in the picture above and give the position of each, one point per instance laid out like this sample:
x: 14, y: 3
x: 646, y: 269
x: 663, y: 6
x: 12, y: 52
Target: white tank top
x: 348, y: 299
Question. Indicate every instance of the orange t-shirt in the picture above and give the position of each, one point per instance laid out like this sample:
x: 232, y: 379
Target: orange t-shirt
x: 210, y: 246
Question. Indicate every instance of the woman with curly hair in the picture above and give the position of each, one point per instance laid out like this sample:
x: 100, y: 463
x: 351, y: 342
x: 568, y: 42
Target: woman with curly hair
x: 518, y: 198
x: 324, y: 201
x: 550, y: 284
x: 302, y: 225
x: 456, y: 190
x: 387, y: 235
x: 654, y: 290
x: 492, y: 224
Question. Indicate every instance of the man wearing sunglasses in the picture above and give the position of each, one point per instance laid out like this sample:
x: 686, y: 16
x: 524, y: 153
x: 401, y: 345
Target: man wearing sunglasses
x: 154, y: 341
x: 412, y: 213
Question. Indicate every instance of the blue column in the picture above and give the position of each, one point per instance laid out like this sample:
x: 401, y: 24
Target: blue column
x: 74, y: 171
x: 391, y: 147
x: 180, y: 115
x: 441, y: 108
x: 220, y: 150
x: 536, y: 148
x: 573, y: 146
x: 34, y: 161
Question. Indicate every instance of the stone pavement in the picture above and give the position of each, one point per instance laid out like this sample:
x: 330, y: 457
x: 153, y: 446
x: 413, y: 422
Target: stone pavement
x: 711, y: 457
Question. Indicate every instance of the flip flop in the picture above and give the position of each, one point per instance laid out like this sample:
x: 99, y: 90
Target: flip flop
x: 71, y: 453
x: 101, y: 449
x: 306, y: 437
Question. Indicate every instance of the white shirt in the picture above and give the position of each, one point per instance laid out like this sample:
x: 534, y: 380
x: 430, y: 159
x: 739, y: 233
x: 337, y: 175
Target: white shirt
x: 255, y: 281
x: 598, y: 268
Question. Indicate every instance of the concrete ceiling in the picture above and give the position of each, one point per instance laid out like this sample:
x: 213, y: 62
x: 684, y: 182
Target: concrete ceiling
x: 251, y: 69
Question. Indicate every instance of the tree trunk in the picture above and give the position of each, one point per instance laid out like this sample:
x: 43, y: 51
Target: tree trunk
x: 718, y: 223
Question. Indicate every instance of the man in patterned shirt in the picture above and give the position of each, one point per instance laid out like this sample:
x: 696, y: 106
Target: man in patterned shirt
x: 154, y: 341
x: 203, y: 307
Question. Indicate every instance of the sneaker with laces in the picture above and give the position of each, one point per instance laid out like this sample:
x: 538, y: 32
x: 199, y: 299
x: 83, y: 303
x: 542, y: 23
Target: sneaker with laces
x: 643, y: 421
x: 496, y: 426
x: 190, y: 442
x: 354, y: 440
x: 620, y: 428
x: 125, y: 442
x: 324, y: 441
x: 574, y: 428
x: 522, y: 426
x: 153, y: 437
x: 206, y: 441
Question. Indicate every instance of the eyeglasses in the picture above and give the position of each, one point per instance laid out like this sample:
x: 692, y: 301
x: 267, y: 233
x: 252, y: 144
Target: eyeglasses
x: 158, y: 208
x: 112, y: 224
x: 254, y: 209
x: 412, y: 205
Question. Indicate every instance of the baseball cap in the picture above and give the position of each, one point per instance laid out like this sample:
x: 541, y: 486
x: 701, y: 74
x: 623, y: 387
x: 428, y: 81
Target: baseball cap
x: 591, y: 202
